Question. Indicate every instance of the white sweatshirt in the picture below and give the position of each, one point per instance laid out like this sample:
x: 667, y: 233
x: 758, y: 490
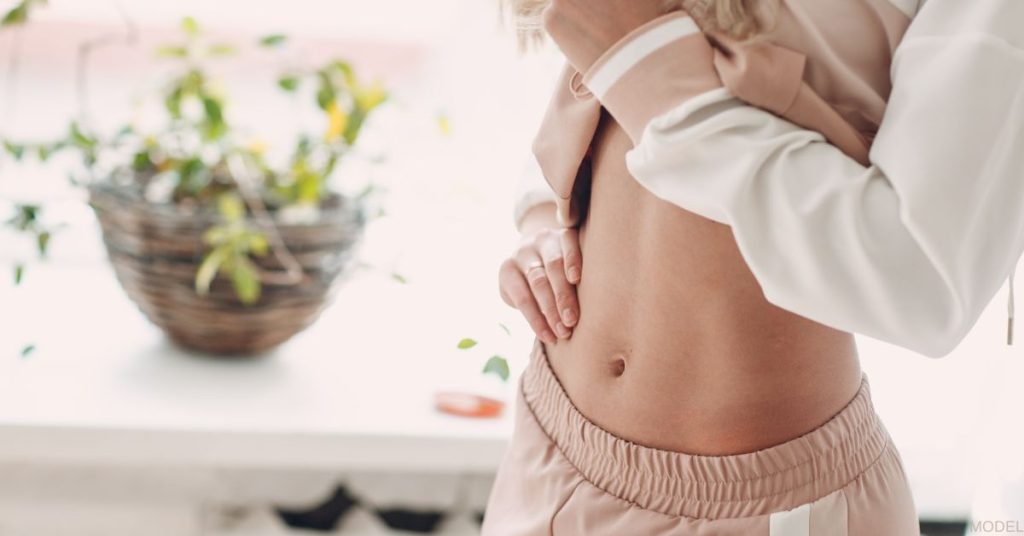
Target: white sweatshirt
x: 909, y: 250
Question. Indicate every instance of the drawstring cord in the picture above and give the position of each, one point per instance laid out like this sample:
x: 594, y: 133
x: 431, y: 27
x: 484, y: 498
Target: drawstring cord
x: 1009, y: 310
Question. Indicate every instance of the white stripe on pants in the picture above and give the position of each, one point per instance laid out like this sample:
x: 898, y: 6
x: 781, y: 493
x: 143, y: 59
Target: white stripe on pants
x: 824, y: 517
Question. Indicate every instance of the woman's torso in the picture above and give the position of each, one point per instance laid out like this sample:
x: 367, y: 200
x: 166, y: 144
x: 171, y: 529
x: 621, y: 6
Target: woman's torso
x: 676, y: 346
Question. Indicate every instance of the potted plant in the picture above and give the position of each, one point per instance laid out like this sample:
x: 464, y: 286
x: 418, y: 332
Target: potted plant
x: 225, y: 251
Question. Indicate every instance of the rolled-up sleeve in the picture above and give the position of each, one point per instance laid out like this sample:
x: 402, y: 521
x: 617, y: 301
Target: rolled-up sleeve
x: 910, y: 249
x: 652, y: 69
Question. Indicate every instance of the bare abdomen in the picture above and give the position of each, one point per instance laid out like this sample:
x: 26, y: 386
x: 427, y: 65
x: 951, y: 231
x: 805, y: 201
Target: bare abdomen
x: 676, y: 346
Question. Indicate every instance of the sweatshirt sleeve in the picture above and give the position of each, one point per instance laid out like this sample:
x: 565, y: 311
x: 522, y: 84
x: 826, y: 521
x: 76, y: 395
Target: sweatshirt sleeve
x: 908, y: 250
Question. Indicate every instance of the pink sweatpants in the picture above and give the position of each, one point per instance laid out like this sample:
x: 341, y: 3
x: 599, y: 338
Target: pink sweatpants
x: 563, y: 475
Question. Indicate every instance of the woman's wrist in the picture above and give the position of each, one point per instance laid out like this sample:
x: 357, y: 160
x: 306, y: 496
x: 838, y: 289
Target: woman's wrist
x: 539, y: 217
x: 585, y: 29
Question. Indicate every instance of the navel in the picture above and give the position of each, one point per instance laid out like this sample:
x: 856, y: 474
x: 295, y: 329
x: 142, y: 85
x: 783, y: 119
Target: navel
x: 618, y: 365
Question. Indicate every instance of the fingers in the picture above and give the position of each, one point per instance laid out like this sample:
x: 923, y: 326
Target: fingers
x: 515, y: 291
x: 573, y: 256
x: 532, y: 266
x: 540, y: 280
x: 555, y: 267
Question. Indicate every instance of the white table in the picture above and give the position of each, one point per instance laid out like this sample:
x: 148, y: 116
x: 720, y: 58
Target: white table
x: 355, y: 391
x: 112, y: 426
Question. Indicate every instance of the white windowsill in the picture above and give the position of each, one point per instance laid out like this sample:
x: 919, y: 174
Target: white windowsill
x: 104, y: 387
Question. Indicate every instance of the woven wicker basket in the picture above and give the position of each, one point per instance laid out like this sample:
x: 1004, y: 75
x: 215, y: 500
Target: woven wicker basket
x: 156, y: 250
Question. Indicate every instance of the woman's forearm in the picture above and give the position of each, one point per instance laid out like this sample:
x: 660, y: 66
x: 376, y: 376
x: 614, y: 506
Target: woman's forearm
x: 534, y: 206
x: 910, y: 249
x: 537, y: 217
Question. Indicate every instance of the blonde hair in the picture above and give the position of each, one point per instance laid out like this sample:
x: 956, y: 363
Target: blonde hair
x: 740, y: 19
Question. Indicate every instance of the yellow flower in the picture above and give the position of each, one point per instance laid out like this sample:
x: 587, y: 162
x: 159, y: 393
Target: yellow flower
x: 257, y: 147
x: 444, y: 124
x: 369, y: 97
x: 337, y: 120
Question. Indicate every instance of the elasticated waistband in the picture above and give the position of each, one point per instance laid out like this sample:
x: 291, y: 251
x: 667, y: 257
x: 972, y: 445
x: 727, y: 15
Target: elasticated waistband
x: 777, y: 478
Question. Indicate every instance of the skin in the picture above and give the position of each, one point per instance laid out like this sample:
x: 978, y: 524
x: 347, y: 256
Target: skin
x: 584, y: 29
x: 651, y: 319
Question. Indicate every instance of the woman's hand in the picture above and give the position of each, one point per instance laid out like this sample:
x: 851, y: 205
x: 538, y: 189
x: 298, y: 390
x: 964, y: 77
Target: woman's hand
x: 540, y: 280
x: 585, y: 29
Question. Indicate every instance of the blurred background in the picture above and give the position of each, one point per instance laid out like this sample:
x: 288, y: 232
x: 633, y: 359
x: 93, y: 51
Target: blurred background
x: 385, y: 415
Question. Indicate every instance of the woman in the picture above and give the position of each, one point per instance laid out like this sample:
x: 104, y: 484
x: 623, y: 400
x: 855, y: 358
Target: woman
x: 696, y: 275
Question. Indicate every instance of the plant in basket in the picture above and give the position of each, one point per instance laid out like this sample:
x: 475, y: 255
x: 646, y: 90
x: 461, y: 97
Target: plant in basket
x: 228, y: 251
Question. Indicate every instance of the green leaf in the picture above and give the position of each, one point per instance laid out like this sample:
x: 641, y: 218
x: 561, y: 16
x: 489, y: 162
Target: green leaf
x: 288, y: 83
x: 346, y: 70
x: 310, y: 187
x: 141, y: 161
x: 173, y: 102
x: 172, y: 51
x: 256, y: 243
x: 355, y: 123
x: 399, y: 277
x: 190, y: 26
x: 217, y: 235
x: 246, y: 281
x: 214, y: 115
x: 221, y: 49
x: 497, y: 365
x: 208, y: 269
x: 368, y: 98
x: 79, y: 138
x: 42, y: 242
x: 44, y: 152
x: 273, y: 40
x: 26, y: 217
x: 504, y: 328
x: 19, y: 273
x: 17, y: 15
x: 190, y: 176
x: 14, y: 149
x: 325, y: 94
x: 466, y: 344
x: 230, y: 207
x: 27, y: 350
x: 324, y: 97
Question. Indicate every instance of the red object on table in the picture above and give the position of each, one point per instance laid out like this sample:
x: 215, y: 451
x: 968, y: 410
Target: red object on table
x: 468, y: 405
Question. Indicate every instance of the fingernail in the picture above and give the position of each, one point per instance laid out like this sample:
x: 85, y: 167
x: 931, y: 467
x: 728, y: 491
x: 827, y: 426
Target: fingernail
x: 568, y: 316
x: 574, y: 275
x: 563, y: 332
